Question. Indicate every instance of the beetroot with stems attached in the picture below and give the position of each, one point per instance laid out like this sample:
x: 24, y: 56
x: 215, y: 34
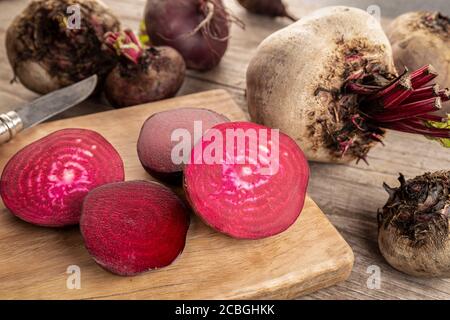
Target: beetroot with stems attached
x: 46, y: 182
x: 329, y: 81
x: 246, y: 180
x: 134, y: 226
x: 155, y: 143
x: 198, y: 29
x: 271, y: 8
x: 143, y: 74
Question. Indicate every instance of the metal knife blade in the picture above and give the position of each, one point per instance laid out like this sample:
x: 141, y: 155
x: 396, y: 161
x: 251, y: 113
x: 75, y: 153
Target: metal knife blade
x: 56, y: 102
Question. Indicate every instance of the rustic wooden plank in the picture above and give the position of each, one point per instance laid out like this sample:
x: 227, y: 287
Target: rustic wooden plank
x: 349, y: 194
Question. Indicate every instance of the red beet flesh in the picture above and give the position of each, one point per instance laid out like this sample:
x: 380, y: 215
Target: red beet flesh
x: 45, y: 182
x: 198, y: 29
x: 132, y: 227
x: 155, y: 146
x: 236, y: 197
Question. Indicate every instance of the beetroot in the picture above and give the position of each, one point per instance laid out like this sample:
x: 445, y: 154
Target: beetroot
x: 45, y: 182
x: 271, y: 8
x: 155, y: 143
x: 143, y: 74
x: 132, y: 227
x: 198, y: 29
x: 48, y: 51
x: 246, y: 180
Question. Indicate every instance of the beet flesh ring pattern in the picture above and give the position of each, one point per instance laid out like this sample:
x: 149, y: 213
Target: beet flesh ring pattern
x: 135, y: 226
x: 236, y: 197
x: 45, y: 182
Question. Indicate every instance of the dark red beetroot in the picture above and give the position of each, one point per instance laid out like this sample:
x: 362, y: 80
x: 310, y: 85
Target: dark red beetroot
x: 143, y: 74
x: 135, y: 226
x: 155, y: 144
x: 271, y: 8
x: 45, y: 182
x: 198, y: 29
x: 244, y: 199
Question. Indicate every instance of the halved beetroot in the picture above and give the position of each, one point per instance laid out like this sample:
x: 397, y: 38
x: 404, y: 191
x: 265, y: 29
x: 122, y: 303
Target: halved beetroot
x: 134, y: 226
x: 45, y: 182
x: 245, y: 193
x: 155, y: 144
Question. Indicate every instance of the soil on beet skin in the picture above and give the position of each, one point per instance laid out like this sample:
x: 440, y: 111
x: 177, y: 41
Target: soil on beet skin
x: 341, y: 105
x: 419, y: 209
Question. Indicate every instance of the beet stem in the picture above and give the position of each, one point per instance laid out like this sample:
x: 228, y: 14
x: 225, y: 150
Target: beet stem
x: 423, y: 93
x: 404, y: 103
x: 422, y: 76
x: 409, y: 110
x: 126, y: 44
x: 431, y: 117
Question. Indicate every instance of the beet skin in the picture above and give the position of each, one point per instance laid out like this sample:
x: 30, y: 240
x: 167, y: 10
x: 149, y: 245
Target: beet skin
x: 155, y: 146
x: 198, y: 29
x: 132, y: 227
x: 247, y: 194
x: 45, y: 182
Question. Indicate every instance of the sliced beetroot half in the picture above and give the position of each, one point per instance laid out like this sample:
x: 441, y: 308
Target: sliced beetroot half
x: 155, y: 143
x: 134, y: 226
x: 246, y: 191
x: 45, y: 182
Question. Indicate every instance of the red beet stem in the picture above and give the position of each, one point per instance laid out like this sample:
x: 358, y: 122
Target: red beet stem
x: 432, y: 117
x: 409, y: 110
x: 126, y: 44
x: 359, y: 89
x: 423, y: 93
x: 405, y: 104
x: 395, y: 93
x: 422, y: 76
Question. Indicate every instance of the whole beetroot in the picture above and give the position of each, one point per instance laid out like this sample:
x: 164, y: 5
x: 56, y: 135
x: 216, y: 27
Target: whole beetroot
x: 198, y: 29
x: 143, y: 74
x: 46, y: 54
x: 413, y: 226
x: 330, y: 82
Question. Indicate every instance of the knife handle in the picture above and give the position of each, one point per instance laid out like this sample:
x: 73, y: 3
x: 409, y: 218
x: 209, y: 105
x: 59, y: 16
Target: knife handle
x: 10, y: 125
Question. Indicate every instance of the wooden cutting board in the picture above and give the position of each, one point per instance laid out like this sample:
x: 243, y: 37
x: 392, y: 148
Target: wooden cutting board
x: 34, y: 261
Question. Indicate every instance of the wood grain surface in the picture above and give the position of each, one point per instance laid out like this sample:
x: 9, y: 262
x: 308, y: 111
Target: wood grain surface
x: 349, y: 194
x: 308, y: 256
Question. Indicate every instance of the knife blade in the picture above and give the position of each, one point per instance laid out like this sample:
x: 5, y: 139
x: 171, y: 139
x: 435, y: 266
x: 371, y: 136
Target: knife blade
x: 45, y: 107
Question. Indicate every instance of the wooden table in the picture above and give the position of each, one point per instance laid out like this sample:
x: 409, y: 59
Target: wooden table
x: 349, y: 194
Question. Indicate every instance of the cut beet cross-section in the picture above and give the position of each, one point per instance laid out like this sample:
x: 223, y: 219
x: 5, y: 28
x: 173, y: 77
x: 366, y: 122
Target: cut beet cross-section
x: 45, y: 182
x: 134, y: 226
x: 246, y: 180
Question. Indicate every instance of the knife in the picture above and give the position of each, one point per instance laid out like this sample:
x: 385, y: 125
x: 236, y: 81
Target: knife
x: 45, y: 107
